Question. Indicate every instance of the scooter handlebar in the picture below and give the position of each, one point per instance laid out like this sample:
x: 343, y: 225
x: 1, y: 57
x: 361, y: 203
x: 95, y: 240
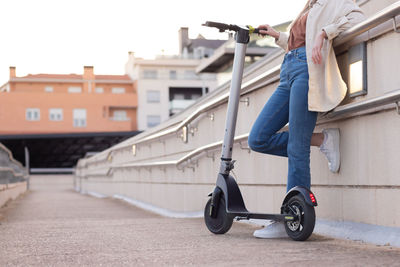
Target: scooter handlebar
x: 229, y: 27
x: 221, y: 26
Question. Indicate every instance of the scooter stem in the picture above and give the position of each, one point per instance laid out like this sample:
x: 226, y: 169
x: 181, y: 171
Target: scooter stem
x: 233, y: 102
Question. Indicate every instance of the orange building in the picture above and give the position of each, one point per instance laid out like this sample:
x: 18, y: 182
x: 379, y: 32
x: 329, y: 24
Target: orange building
x: 71, y: 103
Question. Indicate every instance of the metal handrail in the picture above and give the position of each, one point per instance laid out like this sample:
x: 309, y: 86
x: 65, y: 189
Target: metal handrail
x: 373, y: 21
x: 382, y: 16
x: 247, y: 87
x: 206, y: 107
x: 178, y: 162
x: 369, y: 104
x: 388, y: 98
x: 188, y: 156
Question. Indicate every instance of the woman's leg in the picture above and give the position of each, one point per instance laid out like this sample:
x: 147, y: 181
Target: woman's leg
x: 317, y: 139
x: 301, y: 127
x: 263, y: 136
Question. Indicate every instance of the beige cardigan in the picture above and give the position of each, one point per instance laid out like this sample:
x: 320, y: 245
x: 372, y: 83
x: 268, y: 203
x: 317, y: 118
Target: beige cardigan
x: 326, y: 86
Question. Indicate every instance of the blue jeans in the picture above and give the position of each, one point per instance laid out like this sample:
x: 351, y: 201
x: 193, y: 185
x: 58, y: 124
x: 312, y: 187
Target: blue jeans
x: 289, y: 103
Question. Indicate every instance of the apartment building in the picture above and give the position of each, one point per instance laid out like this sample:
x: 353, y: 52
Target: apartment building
x: 67, y: 103
x: 168, y: 84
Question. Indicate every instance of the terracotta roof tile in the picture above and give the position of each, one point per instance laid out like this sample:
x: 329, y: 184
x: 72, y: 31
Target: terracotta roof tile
x: 52, y: 76
x: 75, y: 76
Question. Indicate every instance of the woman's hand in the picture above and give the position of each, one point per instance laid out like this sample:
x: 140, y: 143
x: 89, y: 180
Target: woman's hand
x: 316, y: 52
x: 268, y: 30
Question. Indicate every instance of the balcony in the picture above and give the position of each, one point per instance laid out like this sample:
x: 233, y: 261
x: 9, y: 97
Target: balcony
x: 177, y: 105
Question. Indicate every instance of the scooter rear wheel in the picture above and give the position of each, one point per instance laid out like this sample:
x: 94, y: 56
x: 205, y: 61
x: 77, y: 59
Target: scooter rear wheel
x: 222, y: 222
x: 302, y: 228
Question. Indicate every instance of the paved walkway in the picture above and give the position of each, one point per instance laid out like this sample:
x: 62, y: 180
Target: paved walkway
x: 54, y: 226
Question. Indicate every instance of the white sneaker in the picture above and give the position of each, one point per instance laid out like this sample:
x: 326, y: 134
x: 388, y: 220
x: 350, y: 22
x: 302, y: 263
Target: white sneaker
x: 330, y: 148
x: 274, y: 230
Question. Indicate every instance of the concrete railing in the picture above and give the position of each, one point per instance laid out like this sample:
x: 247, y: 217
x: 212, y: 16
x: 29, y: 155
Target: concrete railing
x: 11, y: 171
x: 174, y: 165
x: 13, y: 176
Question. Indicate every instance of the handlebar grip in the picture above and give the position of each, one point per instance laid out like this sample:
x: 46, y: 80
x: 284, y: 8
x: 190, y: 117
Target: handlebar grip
x: 216, y: 25
x: 221, y: 26
x: 229, y: 27
x: 257, y: 30
x: 253, y: 30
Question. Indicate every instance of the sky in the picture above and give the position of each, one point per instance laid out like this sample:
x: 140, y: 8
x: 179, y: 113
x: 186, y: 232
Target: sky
x: 62, y: 36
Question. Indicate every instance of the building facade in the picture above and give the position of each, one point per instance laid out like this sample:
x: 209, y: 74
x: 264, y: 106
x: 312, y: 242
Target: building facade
x: 168, y: 84
x: 71, y: 103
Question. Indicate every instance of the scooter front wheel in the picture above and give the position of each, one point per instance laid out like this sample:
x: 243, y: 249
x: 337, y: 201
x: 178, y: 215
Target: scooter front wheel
x: 222, y: 222
x: 302, y: 228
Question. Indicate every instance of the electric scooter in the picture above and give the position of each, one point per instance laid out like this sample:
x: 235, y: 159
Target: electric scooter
x: 226, y: 202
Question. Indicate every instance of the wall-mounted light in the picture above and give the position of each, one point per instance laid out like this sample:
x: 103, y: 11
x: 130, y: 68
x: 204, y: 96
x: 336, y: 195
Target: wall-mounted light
x: 185, y: 134
x: 134, y: 150
x: 357, y: 78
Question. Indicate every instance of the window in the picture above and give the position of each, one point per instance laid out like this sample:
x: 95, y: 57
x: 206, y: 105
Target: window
x: 99, y: 90
x: 150, y: 74
x: 172, y: 74
x: 48, y: 89
x: 118, y: 90
x: 153, y: 120
x: 32, y: 114
x: 153, y: 96
x: 55, y: 114
x: 79, y: 115
x: 120, y: 115
x: 74, y: 89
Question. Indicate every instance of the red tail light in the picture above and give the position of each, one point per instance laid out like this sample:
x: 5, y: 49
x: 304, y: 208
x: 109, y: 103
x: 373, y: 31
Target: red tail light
x: 312, y: 198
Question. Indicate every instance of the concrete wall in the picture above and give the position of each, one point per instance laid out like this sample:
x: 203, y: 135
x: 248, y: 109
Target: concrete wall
x: 363, y: 191
x: 13, y: 177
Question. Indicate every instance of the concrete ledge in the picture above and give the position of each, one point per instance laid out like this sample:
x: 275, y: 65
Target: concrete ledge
x: 368, y: 233
x: 11, y: 192
x: 147, y: 206
x: 375, y: 234
x: 157, y: 210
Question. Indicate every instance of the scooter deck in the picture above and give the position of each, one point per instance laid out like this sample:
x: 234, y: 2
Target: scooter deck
x: 275, y: 217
